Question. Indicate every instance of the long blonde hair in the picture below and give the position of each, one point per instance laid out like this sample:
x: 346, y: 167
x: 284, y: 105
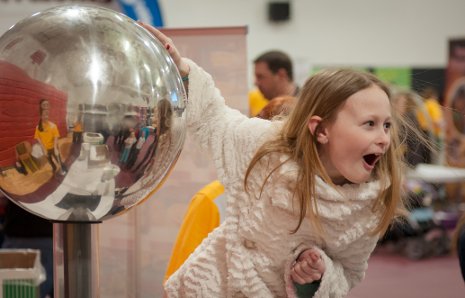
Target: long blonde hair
x: 323, y: 94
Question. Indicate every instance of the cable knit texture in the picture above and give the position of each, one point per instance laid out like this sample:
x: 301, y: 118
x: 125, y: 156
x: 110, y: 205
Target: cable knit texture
x: 250, y: 253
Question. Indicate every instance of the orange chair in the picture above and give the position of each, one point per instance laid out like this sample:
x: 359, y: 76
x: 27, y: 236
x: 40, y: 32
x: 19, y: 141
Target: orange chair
x: 256, y: 102
x: 201, y: 218
x: 23, y: 151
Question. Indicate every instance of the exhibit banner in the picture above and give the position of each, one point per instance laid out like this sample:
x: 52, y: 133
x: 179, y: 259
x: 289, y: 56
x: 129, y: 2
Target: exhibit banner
x: 147, y: 11
x: 12, y: 11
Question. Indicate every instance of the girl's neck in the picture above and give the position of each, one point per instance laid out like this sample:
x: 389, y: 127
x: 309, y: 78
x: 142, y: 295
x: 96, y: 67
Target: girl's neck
x: 340, y: 181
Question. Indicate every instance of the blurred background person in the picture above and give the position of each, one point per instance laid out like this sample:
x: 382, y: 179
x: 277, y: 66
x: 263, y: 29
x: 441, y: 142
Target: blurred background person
x: 433, y: 121
x: 279, y: 106
x: 78, y: 130
x: 273, y: 71
x: 47, y: 135
x: 409, y: 105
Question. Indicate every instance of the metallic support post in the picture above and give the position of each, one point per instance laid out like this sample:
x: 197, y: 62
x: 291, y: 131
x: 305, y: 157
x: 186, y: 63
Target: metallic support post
x: 76, y: 261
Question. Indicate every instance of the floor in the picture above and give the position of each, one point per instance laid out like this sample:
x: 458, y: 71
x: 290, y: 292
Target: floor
x: 18, y: 184
x: 391, y: 275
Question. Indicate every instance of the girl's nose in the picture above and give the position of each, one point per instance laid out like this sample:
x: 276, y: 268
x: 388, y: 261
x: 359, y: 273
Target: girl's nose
x: 384, y: 139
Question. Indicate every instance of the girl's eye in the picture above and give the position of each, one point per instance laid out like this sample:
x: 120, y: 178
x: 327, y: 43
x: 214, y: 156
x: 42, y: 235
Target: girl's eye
x: 370, y: 123
x: 387, y: 125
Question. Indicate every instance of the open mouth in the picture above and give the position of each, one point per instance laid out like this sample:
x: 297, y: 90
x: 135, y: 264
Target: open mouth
x: 371, y: 159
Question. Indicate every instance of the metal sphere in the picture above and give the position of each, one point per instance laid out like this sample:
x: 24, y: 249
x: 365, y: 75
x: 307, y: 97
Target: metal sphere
x: 91, y: 113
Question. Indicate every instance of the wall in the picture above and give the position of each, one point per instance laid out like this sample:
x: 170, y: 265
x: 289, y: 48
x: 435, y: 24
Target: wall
x: 320, y: 32
x: 20, y: 97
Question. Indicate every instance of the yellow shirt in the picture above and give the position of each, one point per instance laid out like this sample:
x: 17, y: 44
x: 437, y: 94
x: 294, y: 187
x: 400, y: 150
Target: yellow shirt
x: 434, y: 110
x: 77, y: 127
x: 256, y: 102
x: 48, y: 135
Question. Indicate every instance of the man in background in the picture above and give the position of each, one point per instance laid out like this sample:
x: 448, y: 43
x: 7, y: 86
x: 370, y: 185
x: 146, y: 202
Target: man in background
x: 274, y: 77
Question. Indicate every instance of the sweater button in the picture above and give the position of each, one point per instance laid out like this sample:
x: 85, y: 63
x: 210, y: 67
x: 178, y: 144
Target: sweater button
x: 249, y: 244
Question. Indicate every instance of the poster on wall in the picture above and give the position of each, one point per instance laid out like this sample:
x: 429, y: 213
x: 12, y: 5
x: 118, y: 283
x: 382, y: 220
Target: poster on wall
x: 12, y: 11
x: 394, y: 76
x: 454, y: 111
x: 405, y: 78
x: 455, y: 103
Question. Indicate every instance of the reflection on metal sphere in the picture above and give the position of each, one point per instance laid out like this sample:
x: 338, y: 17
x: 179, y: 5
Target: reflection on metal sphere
x: 92, y: 113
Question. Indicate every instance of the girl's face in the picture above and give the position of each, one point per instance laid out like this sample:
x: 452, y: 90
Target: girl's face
x: 352, y: 144
x: 45, y: 105
x: 44, y: 115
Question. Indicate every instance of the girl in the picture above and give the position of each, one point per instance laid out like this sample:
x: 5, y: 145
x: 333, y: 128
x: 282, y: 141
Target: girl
x: 308, y: 196
x: 46, y: 133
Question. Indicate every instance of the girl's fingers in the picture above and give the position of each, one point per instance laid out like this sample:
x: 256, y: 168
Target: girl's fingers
x: 309, y: 254
x: 319, y: 264
x: 165, y: 40
x: 315, y: 261
x: 169, y: 46
x: 315, y: 258
x: 304, y: 278
x: 304, y: 267
x: 157, y: 33
x: 297, y: 279
x: 314, y: 277
x: 303, y: 272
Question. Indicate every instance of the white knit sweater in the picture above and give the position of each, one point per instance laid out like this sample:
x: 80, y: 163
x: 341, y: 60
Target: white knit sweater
x: 250, y: 254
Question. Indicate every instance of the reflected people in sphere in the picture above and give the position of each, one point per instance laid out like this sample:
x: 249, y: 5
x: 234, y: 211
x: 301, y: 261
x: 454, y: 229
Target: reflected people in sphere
x: 47, y: 135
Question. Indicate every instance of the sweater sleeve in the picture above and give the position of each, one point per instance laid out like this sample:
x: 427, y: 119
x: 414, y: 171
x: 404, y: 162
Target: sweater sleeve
x: 229, y: 136
x: 348, y: 270
x: 341, y: 274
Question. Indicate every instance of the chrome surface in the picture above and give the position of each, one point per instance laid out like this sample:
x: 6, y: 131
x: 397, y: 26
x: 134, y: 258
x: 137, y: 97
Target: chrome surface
x: 99, y: 70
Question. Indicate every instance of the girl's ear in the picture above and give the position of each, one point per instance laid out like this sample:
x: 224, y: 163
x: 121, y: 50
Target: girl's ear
x: 316, y: 129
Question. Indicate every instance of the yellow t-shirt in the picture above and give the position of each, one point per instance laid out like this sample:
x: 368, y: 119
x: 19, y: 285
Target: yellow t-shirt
x: 256, y: 102
x: 48, y: 135
x: 77, y: 127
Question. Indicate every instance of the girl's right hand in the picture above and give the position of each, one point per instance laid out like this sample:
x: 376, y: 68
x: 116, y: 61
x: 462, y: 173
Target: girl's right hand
x: 183, y: 67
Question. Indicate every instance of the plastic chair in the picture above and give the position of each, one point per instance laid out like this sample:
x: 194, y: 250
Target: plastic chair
x: 24, y: 150
x: 201, y: 218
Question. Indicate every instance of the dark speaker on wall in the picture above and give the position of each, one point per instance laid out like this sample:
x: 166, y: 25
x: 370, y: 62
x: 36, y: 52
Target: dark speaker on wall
x: 279, y: 11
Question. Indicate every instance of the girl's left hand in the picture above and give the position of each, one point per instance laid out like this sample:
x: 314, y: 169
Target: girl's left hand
x: 308, y: 267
